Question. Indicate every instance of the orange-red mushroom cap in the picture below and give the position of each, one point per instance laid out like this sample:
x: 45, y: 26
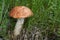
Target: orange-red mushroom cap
x: 20, y: 12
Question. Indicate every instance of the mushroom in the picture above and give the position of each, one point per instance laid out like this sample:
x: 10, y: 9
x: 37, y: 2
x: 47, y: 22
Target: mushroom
x: 20, y: 12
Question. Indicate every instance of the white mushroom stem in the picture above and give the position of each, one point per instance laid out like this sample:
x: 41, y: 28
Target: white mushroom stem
x: 18, y: 26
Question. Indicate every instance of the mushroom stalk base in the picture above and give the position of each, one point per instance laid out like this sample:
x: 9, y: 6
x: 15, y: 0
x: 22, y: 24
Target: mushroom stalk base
x: 18, y: 26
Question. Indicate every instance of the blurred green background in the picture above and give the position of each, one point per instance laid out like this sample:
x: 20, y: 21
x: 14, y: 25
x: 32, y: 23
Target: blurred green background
x: 46, y: 16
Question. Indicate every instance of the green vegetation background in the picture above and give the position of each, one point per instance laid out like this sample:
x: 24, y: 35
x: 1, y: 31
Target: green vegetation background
x: 46, y: 15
